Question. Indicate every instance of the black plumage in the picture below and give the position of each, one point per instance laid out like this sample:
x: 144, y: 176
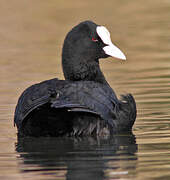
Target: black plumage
x: 83, y: 103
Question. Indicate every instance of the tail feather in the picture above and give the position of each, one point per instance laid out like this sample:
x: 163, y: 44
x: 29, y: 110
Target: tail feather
x: 127, y: 113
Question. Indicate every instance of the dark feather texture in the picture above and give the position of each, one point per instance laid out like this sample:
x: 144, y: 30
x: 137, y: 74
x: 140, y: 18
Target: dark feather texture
x: 84, y: 103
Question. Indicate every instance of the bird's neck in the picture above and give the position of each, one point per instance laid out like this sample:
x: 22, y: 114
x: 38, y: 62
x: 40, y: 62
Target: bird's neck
x: 98, y: 76
x: 84, y: 70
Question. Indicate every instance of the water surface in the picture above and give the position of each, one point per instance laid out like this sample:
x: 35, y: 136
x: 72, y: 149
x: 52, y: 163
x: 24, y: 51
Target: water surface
x: 31, y: 37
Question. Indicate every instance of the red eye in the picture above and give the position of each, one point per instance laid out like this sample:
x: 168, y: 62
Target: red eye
x: 93, y: 39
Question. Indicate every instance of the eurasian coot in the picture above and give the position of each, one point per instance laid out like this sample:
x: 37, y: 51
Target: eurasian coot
x: 83, y: 103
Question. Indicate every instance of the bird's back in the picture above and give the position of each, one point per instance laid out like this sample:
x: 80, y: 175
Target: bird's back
x: 69, y: 99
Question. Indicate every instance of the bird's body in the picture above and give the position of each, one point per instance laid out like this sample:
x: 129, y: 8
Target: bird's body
x: 84, y: 103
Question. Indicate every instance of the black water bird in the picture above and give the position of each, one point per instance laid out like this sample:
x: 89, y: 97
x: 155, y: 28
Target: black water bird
x: 83, y: 103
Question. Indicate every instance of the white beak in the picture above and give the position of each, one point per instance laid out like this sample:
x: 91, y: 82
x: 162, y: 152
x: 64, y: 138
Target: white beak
x: 113, y: 51
x: 110, y: 49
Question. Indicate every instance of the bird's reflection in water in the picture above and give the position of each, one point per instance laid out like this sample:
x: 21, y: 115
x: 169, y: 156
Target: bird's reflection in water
x: 79, y: 158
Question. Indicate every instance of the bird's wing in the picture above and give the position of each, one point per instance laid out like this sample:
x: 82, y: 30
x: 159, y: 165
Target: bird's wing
x: 77, y: 96
x: 33, y: 97
x: 87, y: 97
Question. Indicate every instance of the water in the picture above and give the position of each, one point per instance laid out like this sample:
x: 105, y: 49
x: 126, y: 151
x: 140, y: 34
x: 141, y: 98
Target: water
x: 32, y: 34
